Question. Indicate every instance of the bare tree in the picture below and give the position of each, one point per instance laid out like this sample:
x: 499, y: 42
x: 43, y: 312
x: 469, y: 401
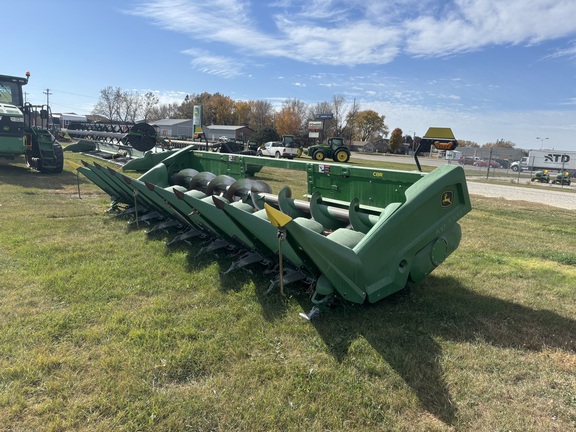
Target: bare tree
x: 164, y: 111
x: 130, y: 104
x: 150, y: 100
x: 466, y: 143
x: 329, y: 125
x: 108, y: 104
x: 338, y: 108
x: 348, y: 128
x: 499, y: 144
x: 262, y: 114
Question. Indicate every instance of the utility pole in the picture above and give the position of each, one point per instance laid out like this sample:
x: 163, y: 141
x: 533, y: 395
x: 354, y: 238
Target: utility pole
x: 351, y: 128
x: 47, y: 93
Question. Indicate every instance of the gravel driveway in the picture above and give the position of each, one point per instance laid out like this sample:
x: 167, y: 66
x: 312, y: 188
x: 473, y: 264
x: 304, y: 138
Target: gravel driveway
x: 555, y: 198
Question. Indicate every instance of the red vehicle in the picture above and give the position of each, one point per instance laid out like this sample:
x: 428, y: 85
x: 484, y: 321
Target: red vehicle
x: 484, y: 163
x: 467, y: 160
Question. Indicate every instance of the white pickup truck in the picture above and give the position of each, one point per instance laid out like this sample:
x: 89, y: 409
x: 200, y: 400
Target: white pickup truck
x: 277, y: 150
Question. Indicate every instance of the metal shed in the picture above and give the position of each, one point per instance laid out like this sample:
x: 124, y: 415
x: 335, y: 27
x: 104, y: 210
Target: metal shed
x: 175, y: 128
x: 213, y: 132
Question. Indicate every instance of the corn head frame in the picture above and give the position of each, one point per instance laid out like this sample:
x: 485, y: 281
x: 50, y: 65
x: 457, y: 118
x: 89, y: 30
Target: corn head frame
x: 360, y: 234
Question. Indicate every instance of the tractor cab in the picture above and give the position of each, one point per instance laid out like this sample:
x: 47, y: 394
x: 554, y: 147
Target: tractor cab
x: 11, y: 89
x: 24, y: 128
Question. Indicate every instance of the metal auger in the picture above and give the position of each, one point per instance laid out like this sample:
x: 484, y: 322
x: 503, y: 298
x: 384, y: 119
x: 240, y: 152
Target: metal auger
x: 117, y: 140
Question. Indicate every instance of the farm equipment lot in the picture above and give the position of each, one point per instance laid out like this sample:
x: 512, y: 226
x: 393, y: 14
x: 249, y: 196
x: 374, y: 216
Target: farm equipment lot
x: 106, y: 328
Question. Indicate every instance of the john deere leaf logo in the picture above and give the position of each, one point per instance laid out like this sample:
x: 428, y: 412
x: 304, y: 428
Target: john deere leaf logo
x: 447, y: 198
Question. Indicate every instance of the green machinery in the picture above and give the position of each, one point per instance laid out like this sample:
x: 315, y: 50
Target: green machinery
x: 360, y: 234
x: 24, y: 129
x: 290, y: 141
x: 541, y: 177
x: 334, y: 149
x: 117, y: 141
x: 562, y: 178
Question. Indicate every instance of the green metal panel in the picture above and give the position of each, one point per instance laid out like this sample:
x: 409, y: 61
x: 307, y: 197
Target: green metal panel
x: 260, y: 232
x: 406, y: 222
x: 185, y: 209
x: 403, y: 245
x: 372, y: 186
x: 219, y: 220
x: 11, y: 132
x: 11, y: 146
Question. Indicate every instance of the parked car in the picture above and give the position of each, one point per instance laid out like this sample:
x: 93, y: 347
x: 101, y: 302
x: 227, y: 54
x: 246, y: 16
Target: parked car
x: 467, y: 160
x: 484, y: 163
x: 504, y: 163
x: 277, y: 149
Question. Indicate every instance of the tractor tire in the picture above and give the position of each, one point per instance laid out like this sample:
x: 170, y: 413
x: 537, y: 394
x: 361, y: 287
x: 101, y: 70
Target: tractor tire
x: 299, y: 152
x: 318, y: 155
x: 341, y: 155
x: 59, y: 163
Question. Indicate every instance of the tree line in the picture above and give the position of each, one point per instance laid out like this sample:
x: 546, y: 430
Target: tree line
x: 348, y: 119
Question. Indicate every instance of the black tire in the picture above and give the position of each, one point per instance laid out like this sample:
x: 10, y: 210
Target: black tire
x: 259, y: 153
x: 59, y: 161
x: 341, y: 155
x: 318, y: 155
x: 277, y: 155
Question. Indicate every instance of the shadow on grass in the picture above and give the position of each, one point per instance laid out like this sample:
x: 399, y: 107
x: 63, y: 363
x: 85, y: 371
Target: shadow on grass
x: 17, y: 173
x: 403, y: 328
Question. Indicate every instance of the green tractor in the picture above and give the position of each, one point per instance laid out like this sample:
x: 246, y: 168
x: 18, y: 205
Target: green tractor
x: 290, y: 141
x: 24, y: 129
x: 335, y: 149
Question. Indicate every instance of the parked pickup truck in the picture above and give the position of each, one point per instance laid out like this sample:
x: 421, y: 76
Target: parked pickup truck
x: 277, y: 150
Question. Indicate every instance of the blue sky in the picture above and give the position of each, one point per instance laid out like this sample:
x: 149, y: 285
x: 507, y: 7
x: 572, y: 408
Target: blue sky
x: 488, y: 69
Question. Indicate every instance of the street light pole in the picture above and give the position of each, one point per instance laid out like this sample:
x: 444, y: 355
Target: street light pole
x: 541, y: 141
x: 413, y: 146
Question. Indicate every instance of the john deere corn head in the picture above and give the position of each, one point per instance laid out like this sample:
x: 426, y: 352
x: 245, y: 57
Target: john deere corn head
x: 359, y: 235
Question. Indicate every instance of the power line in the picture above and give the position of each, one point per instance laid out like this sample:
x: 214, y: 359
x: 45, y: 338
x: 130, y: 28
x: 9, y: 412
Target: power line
x: 47, y: 93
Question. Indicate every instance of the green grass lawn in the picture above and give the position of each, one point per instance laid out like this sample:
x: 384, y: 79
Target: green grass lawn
x: 105, y: 328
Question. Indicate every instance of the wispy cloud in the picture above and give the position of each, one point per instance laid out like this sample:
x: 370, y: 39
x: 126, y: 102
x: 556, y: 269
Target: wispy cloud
x: 356, y: 32
x: 474, y: 24
x: 565, y: 52
x: 211, y: 64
